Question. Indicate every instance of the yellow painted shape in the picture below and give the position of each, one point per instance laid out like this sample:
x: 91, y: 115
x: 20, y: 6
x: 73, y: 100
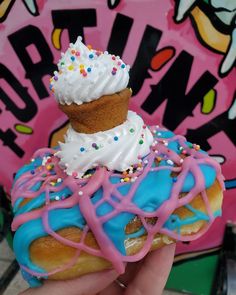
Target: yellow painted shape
x: 3, y: 7
x: 208, y: 32
x: 56, y: 38
x: 23, y: 129
x: 209, y: 101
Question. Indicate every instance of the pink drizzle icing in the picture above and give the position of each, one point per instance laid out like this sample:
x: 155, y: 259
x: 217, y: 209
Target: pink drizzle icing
x: 101, y: 179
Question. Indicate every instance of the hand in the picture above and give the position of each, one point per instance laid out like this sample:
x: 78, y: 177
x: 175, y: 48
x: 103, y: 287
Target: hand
x: 147, y: 277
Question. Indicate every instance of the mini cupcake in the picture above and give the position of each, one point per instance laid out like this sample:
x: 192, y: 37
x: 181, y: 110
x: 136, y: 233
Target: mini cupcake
x: 90, y: 88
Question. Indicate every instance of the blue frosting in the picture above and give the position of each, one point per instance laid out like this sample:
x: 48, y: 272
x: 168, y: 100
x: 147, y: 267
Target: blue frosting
x: 174, y: 222
x: 32, y: 281
x: 150, y: 195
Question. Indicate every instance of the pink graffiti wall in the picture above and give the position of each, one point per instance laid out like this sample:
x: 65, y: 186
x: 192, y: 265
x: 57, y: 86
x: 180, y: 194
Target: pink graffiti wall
x: 181, y: 77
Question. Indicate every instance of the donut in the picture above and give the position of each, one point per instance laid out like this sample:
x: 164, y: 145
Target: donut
x: 113, y: 191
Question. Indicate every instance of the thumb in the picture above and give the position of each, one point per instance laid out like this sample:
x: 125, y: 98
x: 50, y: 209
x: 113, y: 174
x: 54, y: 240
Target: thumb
x: 152, y: 276
x: 85, y: 285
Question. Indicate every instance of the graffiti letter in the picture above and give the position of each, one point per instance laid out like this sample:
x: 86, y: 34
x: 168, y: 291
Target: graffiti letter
x: 8, y: 139
x: 34, y: 71
x: 23, y: 114
x: 119, y: 34
x: 74, y: 21
x: 173, y: 88
x: 147, y: 49
x: 219, y: 123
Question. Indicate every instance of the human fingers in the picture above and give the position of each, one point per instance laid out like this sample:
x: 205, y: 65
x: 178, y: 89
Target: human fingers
x: 152, y: 276
x: 131, y: 271
x: 85, y: 285
x: 113, y: 289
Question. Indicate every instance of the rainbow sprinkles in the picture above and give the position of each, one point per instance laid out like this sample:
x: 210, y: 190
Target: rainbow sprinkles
x: 85, y: 74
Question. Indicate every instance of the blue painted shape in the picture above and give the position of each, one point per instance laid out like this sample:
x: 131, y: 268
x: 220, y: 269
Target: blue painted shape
x: 230, y: 183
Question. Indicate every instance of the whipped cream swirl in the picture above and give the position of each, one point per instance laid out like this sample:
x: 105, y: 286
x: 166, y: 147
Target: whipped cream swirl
x: 116, y: 149
x: 86, y: 74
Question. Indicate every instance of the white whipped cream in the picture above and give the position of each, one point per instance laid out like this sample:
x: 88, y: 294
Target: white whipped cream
x: 116, y: 149
x: 86, y: 74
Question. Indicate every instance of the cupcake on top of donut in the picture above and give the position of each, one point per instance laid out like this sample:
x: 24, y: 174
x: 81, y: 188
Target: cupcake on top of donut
x: 116, y: 188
